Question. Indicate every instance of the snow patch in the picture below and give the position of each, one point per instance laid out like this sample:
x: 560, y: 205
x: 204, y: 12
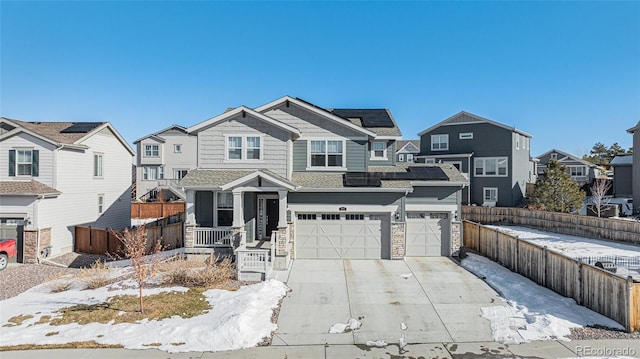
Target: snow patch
x: 376, y: 343
x: 351, y: 325
x: 406, y: 276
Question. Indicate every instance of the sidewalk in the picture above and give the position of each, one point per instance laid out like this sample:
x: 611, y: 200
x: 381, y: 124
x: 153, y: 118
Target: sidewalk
x: 540, y: 349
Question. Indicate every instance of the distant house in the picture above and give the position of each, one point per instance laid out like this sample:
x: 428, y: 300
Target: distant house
x: 407, y: 150
x: 56, y: 175
x: 635, y: 131
x: 581, y: 171
x: 622, y: 175
x: 495, y: 157
x: 163, y: 158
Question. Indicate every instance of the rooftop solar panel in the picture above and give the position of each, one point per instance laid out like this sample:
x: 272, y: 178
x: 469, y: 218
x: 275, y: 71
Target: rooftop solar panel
x: 361, y: 179
x: 81, y: 127
x: 370, y: 117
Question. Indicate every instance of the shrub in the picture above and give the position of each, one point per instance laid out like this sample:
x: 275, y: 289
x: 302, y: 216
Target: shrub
x: 195, y: 274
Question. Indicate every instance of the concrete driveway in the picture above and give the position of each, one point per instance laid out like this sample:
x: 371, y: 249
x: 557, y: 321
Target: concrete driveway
x: 436, y: 299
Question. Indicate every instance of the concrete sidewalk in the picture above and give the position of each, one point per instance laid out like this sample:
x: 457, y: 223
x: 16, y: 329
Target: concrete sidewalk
x: 540, y: 349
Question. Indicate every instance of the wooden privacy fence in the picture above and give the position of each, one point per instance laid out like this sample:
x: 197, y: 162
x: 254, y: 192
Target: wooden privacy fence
x: 576, y: 225
x: 103, y: 241
x: 597, y: 289
x: 156, y: 209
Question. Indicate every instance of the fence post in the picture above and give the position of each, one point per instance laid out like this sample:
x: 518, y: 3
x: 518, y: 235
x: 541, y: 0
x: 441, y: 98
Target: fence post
x: 90, y: 244
x: 628, y: 305
x: 580, y: 288
x: 517, y: 259
x: 544, y: 259
x: 496, y: 251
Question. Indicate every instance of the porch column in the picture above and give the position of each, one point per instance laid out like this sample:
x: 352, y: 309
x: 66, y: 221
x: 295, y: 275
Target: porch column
x: 282, y: 209
x: 238, y: 210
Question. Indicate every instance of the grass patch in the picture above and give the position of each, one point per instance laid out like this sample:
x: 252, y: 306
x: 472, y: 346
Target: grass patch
x: 51, y: 333
x: 152, y: 345
x: 96, y: 276
x: 17, y: 320
x: 196, y: 274
x: 124, y: 308
x: 73, y: 345
x: 43, y: 320
x: 178, y: 344
x: 60, y: 286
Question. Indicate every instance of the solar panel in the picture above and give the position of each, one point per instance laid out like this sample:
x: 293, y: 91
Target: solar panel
x: 81, y: 127
x: 429, y: 173
x: 361, y: 179
x: 370, y: 117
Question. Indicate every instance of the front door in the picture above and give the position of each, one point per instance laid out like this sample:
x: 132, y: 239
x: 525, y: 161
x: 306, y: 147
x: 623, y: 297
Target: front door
x: 273, y: 216
x: 268, y: 215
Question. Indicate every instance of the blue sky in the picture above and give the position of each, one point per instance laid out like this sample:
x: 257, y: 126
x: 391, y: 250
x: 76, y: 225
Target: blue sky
x: 566, y: 72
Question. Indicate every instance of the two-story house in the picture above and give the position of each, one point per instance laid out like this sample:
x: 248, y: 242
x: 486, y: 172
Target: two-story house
x: 162, y: 159
x: 316, y: 183
x: 495, y: 157
x: 581, y: 171
x: 56, y: 175
x: 635, y: 131
x: 407, y: 150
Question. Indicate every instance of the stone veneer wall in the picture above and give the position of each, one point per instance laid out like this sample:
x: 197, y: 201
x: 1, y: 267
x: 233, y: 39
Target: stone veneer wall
x: 292, y: 236
x: 456, y: 238
x: 398, y: 244
x: 45, y: 240
x: 188, y: 235
x: 30, y: 250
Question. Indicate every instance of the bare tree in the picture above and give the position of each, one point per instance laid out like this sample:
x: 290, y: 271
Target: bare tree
x: 599, y: 190
x: 144, y: 263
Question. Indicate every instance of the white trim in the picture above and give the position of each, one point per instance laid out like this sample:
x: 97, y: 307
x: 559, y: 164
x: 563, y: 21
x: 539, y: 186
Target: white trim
x: 144, y: 150
x: 397, y: 138
x: 438, y: 184
x: 243, y: 148
x: 402, y: 149
x: 357, y: 189
x: 401, y: 157
x: 440, y: 135
x: 261, y: 218
x: 465, y: 136
x: 484, y: 194
x: 101, y: 172
x: 101, y: 203
x: 431, y: 207
x: 484, y: 159
x: 237, y: 111
x: 327, y: 167
x: 335, y: 208
x: 373, y: 156
x: 254, y: 175
x: 453, y: 155
x: 177, y: 148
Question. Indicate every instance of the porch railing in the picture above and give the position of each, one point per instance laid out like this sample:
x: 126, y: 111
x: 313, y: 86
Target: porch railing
x: 252, y: 260
x: 212, y: 237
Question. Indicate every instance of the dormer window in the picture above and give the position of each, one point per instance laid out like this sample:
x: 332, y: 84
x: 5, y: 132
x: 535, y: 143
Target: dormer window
x: 554, y: 156
x: 379, y: 150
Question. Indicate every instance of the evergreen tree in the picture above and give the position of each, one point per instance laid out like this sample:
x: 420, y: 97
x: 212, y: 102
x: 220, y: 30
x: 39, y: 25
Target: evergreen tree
x: 556, y: 192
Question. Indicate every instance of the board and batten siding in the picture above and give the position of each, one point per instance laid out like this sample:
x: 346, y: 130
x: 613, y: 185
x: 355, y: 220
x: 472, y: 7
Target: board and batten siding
x: 45, y: 160
x: 211, y: 145
x: 78, y: 203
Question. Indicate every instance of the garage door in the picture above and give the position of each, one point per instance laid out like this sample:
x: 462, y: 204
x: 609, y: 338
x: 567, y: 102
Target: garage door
x: 427, y: 234
x: 340, y: 235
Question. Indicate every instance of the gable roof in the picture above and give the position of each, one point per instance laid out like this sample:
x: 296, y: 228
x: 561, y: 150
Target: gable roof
x: 26, y: 188
x: 62, y: 133
x: 243, y: 110
x: 464, y: 117
x: 622, y: 160
x: 316, y: 110
x: 634, y: 128
x: 156, y: 135
x: 406, y: 145
x: 227, y: 179
x: 568, y: 155
x: 378, y: 120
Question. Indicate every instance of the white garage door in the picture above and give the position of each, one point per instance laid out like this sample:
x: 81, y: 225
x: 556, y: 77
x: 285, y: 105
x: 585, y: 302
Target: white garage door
x: 427, y: 234
x: 340, y: 235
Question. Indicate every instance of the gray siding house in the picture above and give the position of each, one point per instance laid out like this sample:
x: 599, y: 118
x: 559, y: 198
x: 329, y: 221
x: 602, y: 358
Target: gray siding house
x: 635, y: 131
x: 291, y: 180
x: 622, y: 175
x: 581, y: 171
x: 494, y: 157
x: 407, y: 150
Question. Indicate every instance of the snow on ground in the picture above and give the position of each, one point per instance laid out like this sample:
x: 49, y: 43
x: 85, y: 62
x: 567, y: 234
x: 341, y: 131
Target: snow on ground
x: 532, y: 312
x: 238, y: 319
x: 575, y: 247
x: 135, y: 222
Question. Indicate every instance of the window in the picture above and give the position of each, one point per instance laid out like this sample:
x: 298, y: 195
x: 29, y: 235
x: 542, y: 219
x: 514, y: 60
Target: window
x: 152, y: 173
x: 179, y: 174
x: 576, y: 170
x: 98, y: 164
x: 409, y: 157
x: 177, y: 148
x: 378, y: 150
x: 490, y: 194
x: 429, y: 160
x: 553, y: 156
x: 466, y: 135
x: 439, y: 142
x: 330, y: 216
x: 224, y: 207
x: 401, y: 157
x: 151, y: 151
x: 244, y: 148
x: 307, y: 216
x: 329, y: 153
x: 517, y: 141
x: 100, y: 203
x: 23, y: 162
x: 354, y: 217
x: 496, y: 167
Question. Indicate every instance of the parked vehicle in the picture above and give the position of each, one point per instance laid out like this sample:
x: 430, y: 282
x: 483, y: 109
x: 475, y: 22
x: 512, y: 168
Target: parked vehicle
x: 7, y: 250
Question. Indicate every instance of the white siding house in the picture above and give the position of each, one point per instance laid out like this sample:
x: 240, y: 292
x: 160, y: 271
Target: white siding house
x: 56, y: 175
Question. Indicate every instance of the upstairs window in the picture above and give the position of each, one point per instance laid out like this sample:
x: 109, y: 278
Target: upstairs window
x: 179, y: 174
x: 466, y: 136
x: 326, y: 153
x: 98, y: 164
x: 439, y: 142
x: 100, y: 203
x: 24, y: 162
x: 553, y: 156
x: 151, y: 151
x: 577, y: 170
x: 244, y: 148
x: 177, y: 148
x: 491, y: 167
x: 152, y: 173
x: 378, y: 150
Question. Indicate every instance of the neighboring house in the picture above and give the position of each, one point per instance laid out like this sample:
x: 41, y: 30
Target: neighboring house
x: 581, y: 171
x: 162, y: 159
x: 622, y: 175
x: 318, y: 183
x: 56, y: 175
x: 635, y: 131
x: 495, y: 157
x: 407, y: 151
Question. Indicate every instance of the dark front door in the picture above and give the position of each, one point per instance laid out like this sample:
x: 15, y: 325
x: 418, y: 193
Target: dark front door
x: 273, y: 213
